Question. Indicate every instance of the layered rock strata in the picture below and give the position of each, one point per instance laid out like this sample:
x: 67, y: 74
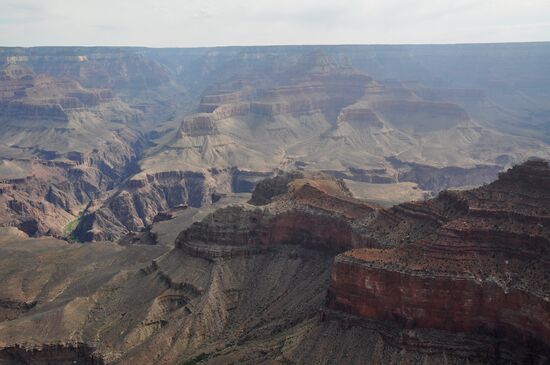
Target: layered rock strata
x: 141, y: 198
x: 25, y: 95
x: 50, y: 194
x: 316, y: 212
x: 456, y: 279
x: 484, y: 271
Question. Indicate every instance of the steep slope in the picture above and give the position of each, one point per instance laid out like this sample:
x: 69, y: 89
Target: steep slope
x: 62, y: 146
x: 323, y: 115
x: 484, y: 271
x: 292, y: 124
x: 150, y: 129
x: 73, y: 125
x: 248, y: 284
x: 231, y: 147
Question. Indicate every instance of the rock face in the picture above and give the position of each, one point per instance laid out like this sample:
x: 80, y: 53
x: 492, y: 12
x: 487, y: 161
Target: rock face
x: 428, y: 116
x: 136, y: 206
x: 327, y: 91
x: 483, y: 271
x: 291, y: 115
x: 267, y: 189
x: 25, y: 95
x: 456, y: 279
x: 198, y: 297
x: 129, y: 117
x: 11, y: 309
x: 105, y: 68
x: 102, y: 143
x: 436, y: 179
x: 63, y: 144
x: 316, y: 213
x: 50, y: 196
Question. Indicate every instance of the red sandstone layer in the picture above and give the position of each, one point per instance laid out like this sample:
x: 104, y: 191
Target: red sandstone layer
x: 484, y: 271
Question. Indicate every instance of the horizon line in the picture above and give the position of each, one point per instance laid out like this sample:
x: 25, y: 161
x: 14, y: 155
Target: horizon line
x: 285, y: 45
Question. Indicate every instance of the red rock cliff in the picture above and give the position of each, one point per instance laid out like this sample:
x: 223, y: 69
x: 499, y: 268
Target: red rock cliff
x: 484, y: 271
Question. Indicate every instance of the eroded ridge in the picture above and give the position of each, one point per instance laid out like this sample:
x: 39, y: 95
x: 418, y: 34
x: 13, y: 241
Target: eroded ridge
x: 483, y: 271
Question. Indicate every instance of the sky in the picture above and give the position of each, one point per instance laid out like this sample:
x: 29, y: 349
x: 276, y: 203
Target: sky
x: 192, y: 23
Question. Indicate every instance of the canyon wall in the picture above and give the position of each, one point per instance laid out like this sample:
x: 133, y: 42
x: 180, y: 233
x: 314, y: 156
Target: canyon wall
x: 127, y: 117
x: 321, y: 216
x: 483, y: 271
x: 461, y: 278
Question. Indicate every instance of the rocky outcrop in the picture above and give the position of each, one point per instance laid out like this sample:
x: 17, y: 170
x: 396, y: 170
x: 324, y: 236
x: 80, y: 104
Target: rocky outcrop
x: 325, y: 92
x: 25, y: 95
x: 205, y: 123
x: 47, y: 200
x: 482, y: 271
x: 116, y: 69
x: 237, y: 227
x: 363, y: 115
x: 137, y: 203
x: 466, y: 262
x: 282, y: 112
x: 53, y: 193
x: 236, y: 92
x: 22, y: 110
x: 135, y: 206
x: 267, y: 189
x: 456, y: 279
x: 421, y: 116
x: 68, y: 145
x: 436, y: 179
x: 11, y: 309
x: 313, y: 214
x: 318, y: 210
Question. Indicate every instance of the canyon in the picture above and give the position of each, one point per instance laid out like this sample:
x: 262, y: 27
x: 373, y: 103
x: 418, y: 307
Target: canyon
x: 305, y: 273
x: 97, y: 141
x: 275, y: 205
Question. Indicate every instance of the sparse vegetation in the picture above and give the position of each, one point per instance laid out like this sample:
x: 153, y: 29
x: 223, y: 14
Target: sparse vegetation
x: 68, y: 230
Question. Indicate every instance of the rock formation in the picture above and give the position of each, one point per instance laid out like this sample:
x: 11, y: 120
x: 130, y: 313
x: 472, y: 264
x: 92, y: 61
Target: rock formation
x: 483, y: 271
x: 136, y: 206
x: 456, y: 279
x: 152, y: 129
x: 141, y: 146
x: 319, y: 213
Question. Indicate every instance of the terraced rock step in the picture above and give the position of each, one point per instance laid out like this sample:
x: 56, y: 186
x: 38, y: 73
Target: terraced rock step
x: 484, y: 271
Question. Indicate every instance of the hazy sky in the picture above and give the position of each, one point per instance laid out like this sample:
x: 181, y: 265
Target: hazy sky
x: 164, y: 23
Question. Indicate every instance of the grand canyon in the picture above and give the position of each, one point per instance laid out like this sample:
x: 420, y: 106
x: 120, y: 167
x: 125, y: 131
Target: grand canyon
x: 275, y: 205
